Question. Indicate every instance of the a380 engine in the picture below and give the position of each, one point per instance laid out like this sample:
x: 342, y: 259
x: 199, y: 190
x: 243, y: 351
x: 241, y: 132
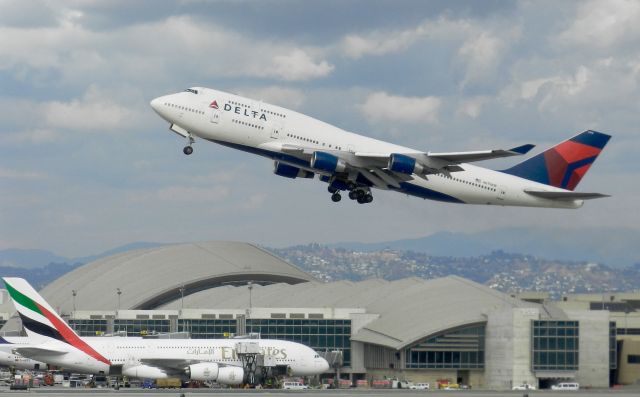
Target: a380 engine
x: 143, y: 371
x: 213, y: 372
x: 289, y: 171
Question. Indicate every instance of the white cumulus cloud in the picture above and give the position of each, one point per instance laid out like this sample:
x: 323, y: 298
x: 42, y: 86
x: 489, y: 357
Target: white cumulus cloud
x: 380, y: 106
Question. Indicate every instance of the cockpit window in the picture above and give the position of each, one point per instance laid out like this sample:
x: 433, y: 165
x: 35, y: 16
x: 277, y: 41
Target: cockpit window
x: 191, y: 90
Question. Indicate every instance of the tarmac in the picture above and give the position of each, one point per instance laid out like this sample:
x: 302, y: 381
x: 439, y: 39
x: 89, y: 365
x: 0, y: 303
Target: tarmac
x: 59, y: 391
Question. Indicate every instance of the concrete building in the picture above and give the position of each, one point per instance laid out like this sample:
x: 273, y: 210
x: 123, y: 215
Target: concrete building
x: 448, y: 329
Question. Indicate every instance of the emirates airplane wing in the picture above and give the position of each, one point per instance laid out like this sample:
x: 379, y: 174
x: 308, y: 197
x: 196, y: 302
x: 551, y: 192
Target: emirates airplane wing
x: 304, y: 147
x: 52, y: 341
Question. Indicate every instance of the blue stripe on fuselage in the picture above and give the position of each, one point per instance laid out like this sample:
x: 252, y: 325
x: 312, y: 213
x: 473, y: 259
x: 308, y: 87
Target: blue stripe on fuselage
x: 407, y: 188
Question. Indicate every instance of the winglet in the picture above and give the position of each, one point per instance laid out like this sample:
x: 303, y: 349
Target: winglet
x: 524, y: 149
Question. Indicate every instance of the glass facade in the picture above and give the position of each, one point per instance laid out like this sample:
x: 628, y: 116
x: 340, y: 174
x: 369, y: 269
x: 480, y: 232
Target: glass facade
x: 207, y: 328
x: 613, y: 351
x: 555, y: 345
x: 90, y: 327
x: 462, y: 348
x: 141, y: 326
x: 320, y: 335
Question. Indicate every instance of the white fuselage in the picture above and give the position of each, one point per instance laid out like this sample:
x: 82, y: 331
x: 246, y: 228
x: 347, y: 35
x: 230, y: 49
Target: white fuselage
x: 255, y: 126
x: 128, y: 352
x: 17, y: 361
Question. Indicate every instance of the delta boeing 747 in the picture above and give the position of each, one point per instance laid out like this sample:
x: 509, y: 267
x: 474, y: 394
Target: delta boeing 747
x: 303, y: 147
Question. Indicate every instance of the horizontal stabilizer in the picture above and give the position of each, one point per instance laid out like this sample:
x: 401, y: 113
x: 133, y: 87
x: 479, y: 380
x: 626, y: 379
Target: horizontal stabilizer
x: 565, y: 196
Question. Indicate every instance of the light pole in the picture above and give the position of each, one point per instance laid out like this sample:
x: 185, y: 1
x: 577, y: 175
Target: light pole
x: 119, y: 292
x: 250, y: 286
x: 182, y: 298
x: 74, y: 293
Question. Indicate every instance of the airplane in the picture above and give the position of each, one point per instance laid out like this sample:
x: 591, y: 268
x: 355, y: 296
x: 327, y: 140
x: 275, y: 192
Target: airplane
x: 302, y: 147
x: 16, y: 361
x: 54, y: 342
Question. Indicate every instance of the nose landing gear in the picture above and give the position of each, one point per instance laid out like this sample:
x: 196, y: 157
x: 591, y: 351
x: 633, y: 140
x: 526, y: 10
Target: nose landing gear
x: 188, y: 149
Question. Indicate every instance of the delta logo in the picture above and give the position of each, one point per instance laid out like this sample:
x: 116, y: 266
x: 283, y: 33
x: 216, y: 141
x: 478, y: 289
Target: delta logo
x: 214, y: 104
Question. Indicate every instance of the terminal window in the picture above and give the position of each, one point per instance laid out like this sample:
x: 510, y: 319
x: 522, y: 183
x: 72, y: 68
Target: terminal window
x: 141, y: 327
x: 460, y: 348
x: 208, y: 328
x: 555, y: 345
x: 321, y: 335
x: 89, y: 327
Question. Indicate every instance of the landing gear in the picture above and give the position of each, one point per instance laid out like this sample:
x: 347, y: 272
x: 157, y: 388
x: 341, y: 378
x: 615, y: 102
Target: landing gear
x: 367, y: 198
x: 188, y: 149
x: 335, y: 197
x: 361, y: 195
x: 332, y: 189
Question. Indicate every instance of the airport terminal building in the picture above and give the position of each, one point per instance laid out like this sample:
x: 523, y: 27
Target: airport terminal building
x: 421, y: 330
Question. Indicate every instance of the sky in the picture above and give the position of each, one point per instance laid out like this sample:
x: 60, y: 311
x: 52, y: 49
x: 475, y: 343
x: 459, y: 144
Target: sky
x: 86, y: 165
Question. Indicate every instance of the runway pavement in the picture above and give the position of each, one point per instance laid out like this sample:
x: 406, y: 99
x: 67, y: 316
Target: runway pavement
x: 4, y: 391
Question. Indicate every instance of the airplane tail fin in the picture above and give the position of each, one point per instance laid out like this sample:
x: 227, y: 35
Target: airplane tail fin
x: 565, y: 164
x: 40, y: 320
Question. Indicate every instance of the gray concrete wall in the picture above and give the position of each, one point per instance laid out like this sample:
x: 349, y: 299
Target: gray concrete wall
x: 593, y: 368
x: 508, y: 348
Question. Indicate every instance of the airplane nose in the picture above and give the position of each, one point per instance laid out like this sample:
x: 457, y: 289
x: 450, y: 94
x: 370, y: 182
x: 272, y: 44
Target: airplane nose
x: 323, y: 365
x: 155, y: 104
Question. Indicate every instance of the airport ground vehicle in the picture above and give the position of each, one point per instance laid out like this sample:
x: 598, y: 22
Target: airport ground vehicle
x: 294, y: 386
x: 420, y: 386
x: 524, y: 386
x: 566, y: 386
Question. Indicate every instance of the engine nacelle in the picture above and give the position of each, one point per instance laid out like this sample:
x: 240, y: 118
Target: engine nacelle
x: 230, y: 375
x: 203, y: 371
x: 143, y: 371
x: 289, y: 171
x: 327, y: 162
x: 404, y: 164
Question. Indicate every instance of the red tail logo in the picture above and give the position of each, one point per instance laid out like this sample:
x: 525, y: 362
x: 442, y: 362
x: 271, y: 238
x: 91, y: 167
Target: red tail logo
x: 214, y: 104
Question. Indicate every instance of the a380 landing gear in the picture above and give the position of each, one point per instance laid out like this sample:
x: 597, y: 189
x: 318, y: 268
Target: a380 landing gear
x: 335, y: 197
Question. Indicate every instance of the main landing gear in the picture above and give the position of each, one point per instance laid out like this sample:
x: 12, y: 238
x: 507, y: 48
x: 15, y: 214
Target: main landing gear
x: 188, y: 149
x: 360, y: 194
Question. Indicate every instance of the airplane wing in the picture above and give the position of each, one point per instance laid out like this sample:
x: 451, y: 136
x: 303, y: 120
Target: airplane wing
x: 385, y: 170
x: 480, y: 155
x: 28, y: 351
x: 565, y: 196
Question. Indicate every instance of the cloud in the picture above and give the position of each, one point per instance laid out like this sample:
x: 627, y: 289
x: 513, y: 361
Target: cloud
x: 482, y: 53
x: 295, y: 66
x: 93, y: 113
x: 6, y: 173
x: 603, y: 24
x: 281, y: 96
x: 182, y: 194
x: 472, y: 107
x: 380, y: 106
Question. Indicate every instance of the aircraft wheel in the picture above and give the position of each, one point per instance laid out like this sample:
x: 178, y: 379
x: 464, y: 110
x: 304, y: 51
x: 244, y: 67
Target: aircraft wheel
x: 353, y: 195
x: 362, y: 200
x: 331, y: 189
x: 335, y: 197
x: 360, y: 194
x: 187, y: 150
x: 368, y: 198
x: 351, y: 186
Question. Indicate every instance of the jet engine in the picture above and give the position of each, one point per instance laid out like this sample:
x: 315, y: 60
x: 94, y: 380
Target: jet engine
x: 404, y: 164
x: 143, y: 371
x: 230, y: 375
x: 327, y: 162
x: 289, y: 171
x: 203, y: 371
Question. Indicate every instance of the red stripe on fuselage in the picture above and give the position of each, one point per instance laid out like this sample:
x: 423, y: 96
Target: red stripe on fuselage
x: 70, y: 337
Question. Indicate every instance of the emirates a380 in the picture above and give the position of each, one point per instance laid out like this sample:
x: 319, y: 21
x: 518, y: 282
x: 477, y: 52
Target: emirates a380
x: 52, y: 341
x: 303, y: 147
